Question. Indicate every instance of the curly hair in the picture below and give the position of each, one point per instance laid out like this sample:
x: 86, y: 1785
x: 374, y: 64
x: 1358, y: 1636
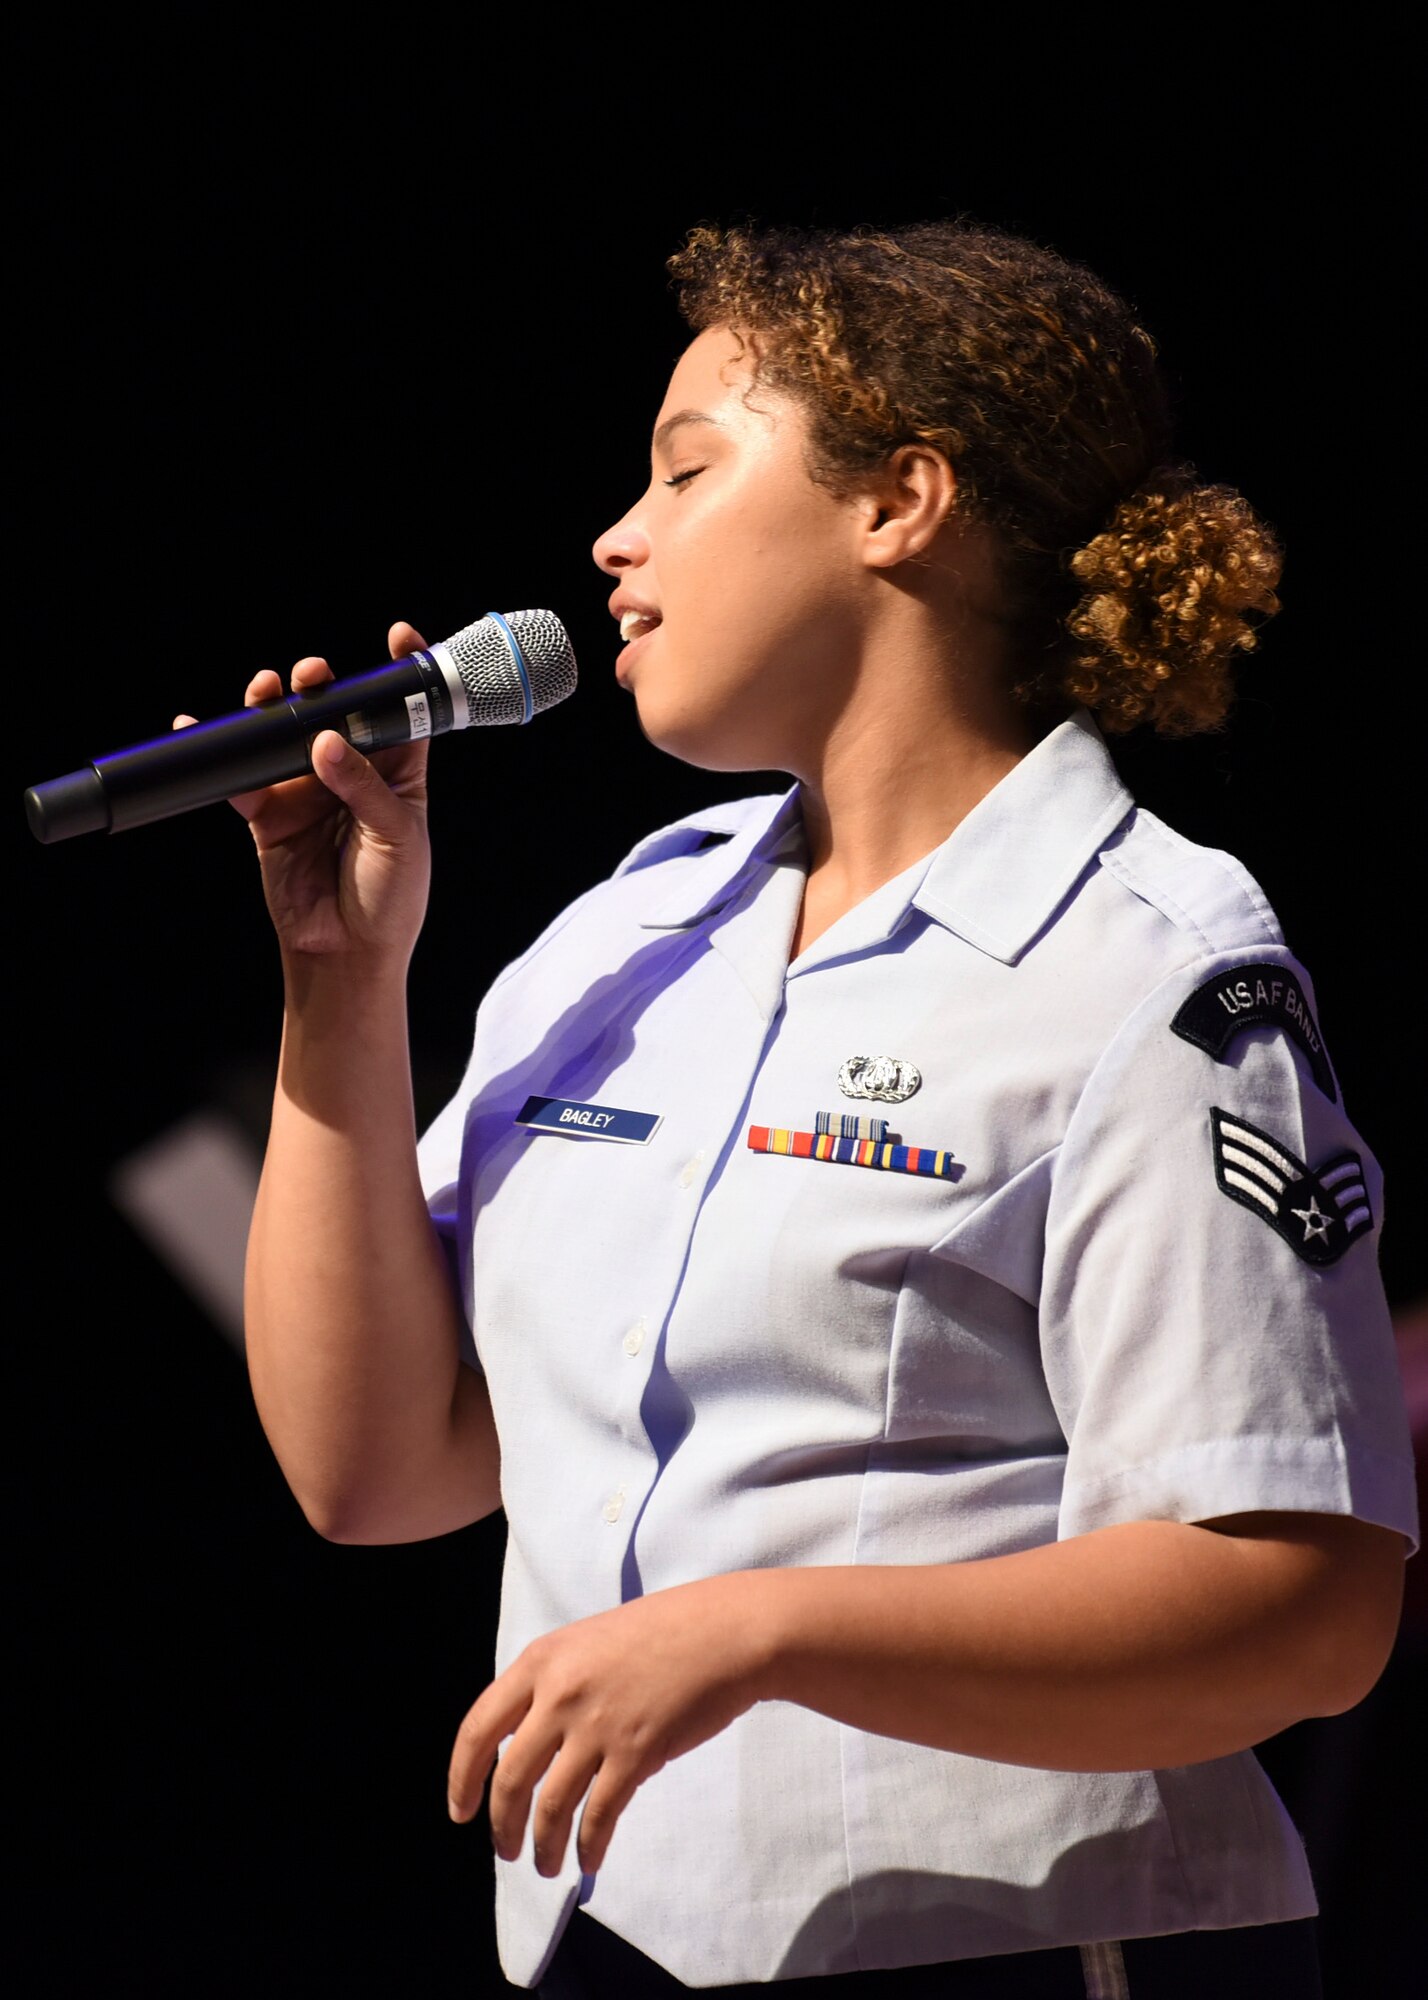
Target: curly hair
x: 1133, y: 584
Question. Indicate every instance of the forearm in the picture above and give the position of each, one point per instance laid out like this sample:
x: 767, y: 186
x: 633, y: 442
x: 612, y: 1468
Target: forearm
x: 352, y: 1325
x: 1135, y: 1647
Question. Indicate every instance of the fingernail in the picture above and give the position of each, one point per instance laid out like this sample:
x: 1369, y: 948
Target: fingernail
x: 453, y: 1806
x: 334, y: 749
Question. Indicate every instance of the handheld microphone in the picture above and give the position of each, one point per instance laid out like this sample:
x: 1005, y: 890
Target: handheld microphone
x: 504, y: 668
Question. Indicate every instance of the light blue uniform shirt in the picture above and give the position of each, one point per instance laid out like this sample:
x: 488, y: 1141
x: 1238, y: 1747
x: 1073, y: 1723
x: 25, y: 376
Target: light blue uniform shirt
x: 703, y: 1358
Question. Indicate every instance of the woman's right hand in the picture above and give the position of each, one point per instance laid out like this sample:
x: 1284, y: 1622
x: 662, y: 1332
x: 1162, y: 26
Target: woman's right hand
x: 344, y: 854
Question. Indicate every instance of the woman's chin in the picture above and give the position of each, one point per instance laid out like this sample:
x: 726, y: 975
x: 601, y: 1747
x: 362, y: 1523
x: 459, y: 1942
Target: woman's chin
x: 709, y: 743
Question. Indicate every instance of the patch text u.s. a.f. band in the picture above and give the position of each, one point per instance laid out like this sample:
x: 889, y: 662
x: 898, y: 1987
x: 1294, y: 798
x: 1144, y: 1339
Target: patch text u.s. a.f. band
x: 1253, y: 996
x: 1319, y: 1211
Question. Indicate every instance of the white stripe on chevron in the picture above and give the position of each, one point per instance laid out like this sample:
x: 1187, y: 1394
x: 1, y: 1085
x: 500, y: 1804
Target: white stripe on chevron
x: 1261, y: 1146
x: 1254, y: 1166
x: 1252, y: 1188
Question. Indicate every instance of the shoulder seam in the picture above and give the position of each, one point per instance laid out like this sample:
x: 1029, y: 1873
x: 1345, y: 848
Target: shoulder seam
x: 1158, y: 898
x: 1246, y: 891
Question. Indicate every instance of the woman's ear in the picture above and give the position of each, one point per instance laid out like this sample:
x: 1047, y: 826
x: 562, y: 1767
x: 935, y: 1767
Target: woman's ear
x: 907, y: 504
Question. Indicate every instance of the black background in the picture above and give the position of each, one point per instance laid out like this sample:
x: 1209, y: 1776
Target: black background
x: 312, y: 338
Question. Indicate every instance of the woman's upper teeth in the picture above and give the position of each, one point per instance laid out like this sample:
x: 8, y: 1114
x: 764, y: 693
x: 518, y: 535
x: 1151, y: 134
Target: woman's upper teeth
x: 632, y: 622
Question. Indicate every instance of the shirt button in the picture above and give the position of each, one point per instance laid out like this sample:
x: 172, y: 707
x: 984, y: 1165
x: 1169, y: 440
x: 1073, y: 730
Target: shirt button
x: 689, y: 1172
x: 634, y: 1340
x: 611, y: 1508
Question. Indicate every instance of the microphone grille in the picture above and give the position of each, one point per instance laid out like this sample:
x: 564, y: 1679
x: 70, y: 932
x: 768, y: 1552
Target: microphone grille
x: 502, y: 686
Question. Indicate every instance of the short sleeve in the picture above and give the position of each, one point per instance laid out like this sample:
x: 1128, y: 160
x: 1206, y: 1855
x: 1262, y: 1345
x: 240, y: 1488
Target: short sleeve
x: 1214, y: 1328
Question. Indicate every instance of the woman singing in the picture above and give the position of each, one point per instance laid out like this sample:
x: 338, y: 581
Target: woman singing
x: 898, y: 1254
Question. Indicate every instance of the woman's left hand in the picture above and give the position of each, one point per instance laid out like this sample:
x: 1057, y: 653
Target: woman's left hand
x: 602, y: 1705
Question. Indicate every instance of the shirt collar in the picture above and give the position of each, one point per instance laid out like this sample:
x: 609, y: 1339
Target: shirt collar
x: 759, y: 826
x: 1003, y: 872
x: 995, y: 881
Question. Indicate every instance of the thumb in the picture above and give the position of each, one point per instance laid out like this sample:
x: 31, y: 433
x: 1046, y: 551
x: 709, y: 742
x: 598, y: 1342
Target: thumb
x: 350, y: 777
x: 403, y: 639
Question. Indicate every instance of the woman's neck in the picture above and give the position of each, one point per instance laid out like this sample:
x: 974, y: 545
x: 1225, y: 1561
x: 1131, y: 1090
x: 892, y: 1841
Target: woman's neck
x: 908, y: 758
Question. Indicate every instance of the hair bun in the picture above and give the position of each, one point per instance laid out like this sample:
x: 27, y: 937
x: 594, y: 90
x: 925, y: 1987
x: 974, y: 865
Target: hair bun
x: 1168, y: 590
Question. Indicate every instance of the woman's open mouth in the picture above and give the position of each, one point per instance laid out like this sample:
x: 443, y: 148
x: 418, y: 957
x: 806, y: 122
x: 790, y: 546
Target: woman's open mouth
x: 635, y: 628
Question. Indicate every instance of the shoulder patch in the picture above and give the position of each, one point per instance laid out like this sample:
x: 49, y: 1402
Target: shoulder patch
x: 1318, y: 1211
x: 1253, y: 996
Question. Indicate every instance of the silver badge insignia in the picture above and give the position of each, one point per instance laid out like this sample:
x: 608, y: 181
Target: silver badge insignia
x: 887, y: 1078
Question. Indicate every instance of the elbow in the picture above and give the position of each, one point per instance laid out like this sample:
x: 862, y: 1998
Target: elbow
x: 342, y: 1532
x: 379, y: 1521
x: 1355, y: 1635
x: 1322, y: 1610
x: 336, y: 1520
x: 357, y: 1522
x: 1354, y: 1671
x: 351, y: 1513
x: 337, y: 1509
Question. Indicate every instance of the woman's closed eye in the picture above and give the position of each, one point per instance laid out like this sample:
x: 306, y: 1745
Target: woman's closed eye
x: 682, y: 478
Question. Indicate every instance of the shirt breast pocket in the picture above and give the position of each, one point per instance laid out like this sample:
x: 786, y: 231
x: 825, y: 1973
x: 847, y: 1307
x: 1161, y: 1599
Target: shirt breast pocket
x: 1001, y: 1233
x: 833, y: 1208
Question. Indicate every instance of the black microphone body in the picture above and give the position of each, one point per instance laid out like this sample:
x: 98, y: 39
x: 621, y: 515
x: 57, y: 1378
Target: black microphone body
x: 502, y: 669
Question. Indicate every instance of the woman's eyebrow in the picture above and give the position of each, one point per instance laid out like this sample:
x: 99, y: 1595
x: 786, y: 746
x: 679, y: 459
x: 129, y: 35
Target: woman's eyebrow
x: 672, y: 424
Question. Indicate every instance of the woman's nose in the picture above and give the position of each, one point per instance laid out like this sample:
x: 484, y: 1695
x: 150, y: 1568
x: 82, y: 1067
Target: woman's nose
x: 625, y: 546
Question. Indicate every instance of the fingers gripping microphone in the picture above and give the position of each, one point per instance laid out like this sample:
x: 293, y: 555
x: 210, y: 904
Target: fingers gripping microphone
x: 501, y: 669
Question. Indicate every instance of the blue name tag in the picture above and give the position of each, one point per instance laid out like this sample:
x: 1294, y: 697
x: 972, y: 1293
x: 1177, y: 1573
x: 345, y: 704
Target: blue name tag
x: 588, y: 1121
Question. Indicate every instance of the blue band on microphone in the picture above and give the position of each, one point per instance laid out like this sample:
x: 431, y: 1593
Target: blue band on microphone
x: 527, y: 697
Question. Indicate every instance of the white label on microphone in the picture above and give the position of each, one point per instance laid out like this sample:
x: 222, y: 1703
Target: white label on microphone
x: 419, y: 715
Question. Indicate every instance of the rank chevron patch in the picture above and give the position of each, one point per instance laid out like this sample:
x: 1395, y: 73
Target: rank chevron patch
x: 1318, y: 1211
